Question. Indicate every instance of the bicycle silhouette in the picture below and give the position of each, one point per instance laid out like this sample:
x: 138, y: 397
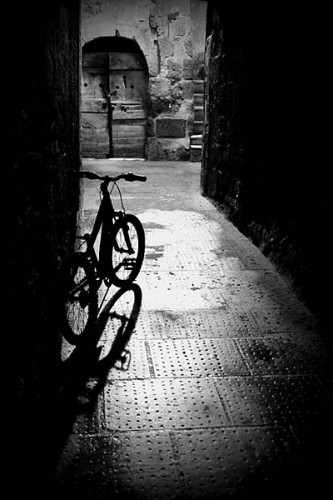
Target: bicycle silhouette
x: 119, y: 260
x: 86, y: 367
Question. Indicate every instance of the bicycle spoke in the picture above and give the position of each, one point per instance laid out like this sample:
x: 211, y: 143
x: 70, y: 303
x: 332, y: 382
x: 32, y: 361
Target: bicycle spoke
x: 79, y: 297
x: 125, y: 252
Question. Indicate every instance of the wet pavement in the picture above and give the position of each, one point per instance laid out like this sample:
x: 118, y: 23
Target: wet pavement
x: 210, y: 379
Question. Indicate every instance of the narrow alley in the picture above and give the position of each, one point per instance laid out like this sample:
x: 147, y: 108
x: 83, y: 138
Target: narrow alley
x: 221, y: 388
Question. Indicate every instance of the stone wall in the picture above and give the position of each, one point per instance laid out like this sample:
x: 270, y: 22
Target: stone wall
x: 263, y: 159
x: 171, y: 36
x: 44, y: 196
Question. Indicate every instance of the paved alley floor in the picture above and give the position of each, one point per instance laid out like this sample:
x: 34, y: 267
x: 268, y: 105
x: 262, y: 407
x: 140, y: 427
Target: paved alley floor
x: 222, y: 385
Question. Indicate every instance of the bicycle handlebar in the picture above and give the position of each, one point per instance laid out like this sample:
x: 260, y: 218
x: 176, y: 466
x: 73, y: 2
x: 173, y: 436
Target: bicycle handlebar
x: 129, y: 177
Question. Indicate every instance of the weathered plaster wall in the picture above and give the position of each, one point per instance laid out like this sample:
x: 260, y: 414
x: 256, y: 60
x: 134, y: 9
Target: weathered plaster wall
x: 263, y: 158
x: 171, y: 36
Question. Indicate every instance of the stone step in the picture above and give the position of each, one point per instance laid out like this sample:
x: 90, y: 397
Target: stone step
x: 198, y: 113
x: 198, y: 99
x: 197, y: 127
x: 195, y: 153
x: 198, y: 86
x: 196, y: 139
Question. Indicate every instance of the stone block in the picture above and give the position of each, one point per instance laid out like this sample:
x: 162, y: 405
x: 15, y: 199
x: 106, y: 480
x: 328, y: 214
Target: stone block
x: 160, y: 88
x: 170, y: 127
x: 187, y: 69
x: 175, y: 69
x: 180, y: 27
x: 166, y: 47
x: 154, y: 150
x: 168, y: 149
x: 182, y: 90
x: 188, y: 46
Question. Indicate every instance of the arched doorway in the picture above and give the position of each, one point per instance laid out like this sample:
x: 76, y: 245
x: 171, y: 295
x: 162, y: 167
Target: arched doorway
x: 115, y: 99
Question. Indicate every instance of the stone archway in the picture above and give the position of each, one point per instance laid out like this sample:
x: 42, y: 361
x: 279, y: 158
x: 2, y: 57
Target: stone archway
x: 115, y: 99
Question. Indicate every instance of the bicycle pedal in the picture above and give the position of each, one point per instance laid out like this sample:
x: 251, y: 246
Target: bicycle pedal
x: 129, y: 264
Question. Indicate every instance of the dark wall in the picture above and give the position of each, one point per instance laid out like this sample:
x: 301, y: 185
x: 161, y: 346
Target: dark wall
x: 43, y: 122
x: 264, y: 159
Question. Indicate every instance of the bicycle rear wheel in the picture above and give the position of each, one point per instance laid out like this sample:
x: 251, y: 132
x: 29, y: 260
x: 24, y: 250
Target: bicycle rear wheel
x: 78, y: 295
x: 127, y: 250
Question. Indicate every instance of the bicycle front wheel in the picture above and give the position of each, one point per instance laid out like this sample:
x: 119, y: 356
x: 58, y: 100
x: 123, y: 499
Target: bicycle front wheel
x: 78, y: 295
x: 127, y: 251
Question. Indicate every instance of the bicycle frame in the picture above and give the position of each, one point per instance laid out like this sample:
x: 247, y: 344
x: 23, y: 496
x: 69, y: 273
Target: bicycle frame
x: 115, y: 228
x: 104, y: 222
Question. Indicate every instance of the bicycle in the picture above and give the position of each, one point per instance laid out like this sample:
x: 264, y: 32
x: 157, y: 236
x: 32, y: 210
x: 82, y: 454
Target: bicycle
x: 120, y: 258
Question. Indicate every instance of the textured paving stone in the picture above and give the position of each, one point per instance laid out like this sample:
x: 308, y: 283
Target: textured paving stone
x: 272, y: 401
x: 163, y: 404
x: 228, y: 463
x: 196, y: 358
x: 210, y: 379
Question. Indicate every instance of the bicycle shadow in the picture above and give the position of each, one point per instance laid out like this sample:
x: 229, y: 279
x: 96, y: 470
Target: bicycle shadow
x: 104, y: 347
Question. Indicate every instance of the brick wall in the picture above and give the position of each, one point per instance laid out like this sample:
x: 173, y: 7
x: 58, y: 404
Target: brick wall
x: 43, y: 121
x: 263, y: 158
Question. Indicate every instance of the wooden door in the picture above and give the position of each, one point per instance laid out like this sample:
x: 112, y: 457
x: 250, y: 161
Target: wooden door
x: 128, y: 88
x: 114, y: 105
x: 95, y: 141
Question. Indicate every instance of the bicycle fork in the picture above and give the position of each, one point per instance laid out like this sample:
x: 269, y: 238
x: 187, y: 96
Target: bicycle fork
x: 129, y: 248
x: 128, y: 263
